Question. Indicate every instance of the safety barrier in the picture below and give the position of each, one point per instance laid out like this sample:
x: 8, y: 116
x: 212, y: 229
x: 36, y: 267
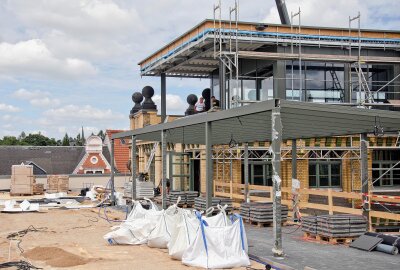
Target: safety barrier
x: 236, y: 191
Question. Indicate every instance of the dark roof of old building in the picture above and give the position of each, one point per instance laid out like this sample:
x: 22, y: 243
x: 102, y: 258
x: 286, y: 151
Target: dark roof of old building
x: 52, y: 159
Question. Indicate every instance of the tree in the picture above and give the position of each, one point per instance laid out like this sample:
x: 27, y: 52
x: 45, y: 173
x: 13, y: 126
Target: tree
x: 65, y: 141
x: 101, y: 135
x: 22, y: 136
x: 78, y: 140
x: 38, y: 140
x: 9, y: 140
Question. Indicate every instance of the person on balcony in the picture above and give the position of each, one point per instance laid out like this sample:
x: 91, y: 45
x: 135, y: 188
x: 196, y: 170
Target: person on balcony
x: 200, y: 105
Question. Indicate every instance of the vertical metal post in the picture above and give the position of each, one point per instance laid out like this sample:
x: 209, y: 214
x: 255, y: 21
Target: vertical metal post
x: 163, y: 97
x: 164, y: 168
x: 209, y: 165
x: 294, y: 159
x: 294, y: 176
x: 246, y: 173
x: 276, y: 180
x: 112, y: 173
x: 222, y: 85
x: 133, y: 167
x: 364, y: 175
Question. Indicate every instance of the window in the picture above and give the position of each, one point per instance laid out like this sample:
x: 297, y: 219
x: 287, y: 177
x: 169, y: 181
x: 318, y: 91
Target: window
x: 260, y: 173
x: 325, y: 174
x: 386, y: 168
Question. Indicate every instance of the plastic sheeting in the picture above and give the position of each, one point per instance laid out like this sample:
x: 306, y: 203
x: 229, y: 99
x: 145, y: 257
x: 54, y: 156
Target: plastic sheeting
x: 218, y: 247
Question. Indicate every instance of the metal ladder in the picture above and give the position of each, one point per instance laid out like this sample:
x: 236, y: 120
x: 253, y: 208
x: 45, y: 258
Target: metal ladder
x: 150, y: 160
x: 336, y: 84
x: 364, y: 84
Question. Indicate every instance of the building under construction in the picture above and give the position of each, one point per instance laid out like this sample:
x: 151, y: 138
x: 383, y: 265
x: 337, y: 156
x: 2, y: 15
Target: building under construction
x: 317, y: 104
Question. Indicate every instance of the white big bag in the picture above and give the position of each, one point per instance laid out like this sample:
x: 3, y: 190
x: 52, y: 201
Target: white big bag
x: 218, y: 247
x: 137, y: 227
x: 165, y: 227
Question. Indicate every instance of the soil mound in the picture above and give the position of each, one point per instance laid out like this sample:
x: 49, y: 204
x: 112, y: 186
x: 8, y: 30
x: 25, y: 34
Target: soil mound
x: 54, y: 256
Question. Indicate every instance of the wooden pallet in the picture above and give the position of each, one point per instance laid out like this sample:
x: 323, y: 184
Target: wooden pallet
x: 21, y: 194
x: 261, y: 224
x: 329, y: 239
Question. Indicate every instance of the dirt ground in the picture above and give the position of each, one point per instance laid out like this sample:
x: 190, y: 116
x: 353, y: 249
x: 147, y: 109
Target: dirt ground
x: 73, y: 239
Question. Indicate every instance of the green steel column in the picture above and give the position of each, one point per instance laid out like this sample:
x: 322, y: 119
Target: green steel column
x: 246, y: 173
x: 209, y: 166
x: 164, y: 168
x: 163, y: 97
x: 276, y: 179
x: 364, y: 174
x: 133, y: 166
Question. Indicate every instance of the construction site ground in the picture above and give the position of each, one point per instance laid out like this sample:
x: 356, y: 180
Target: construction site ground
x: 73, y: 239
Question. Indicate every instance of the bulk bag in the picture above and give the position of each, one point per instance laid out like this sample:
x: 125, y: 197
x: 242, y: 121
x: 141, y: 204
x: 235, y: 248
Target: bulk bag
x: 218, y: 247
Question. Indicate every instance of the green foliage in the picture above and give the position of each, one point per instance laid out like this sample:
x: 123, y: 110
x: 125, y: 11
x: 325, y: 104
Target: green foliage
x: 65, y: 141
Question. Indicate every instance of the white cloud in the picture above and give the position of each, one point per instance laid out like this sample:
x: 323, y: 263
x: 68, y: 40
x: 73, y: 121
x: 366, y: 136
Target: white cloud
x: 8, y: 108
x: 33, y: 57
x: 36, y: 97
x: 82, y: 113
x: 175, y: 104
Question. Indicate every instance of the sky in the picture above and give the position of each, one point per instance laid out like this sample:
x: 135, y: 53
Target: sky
x: 65, y: 64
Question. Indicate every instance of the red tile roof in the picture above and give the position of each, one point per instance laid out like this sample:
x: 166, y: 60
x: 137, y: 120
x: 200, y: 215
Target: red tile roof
x: 121, y: 152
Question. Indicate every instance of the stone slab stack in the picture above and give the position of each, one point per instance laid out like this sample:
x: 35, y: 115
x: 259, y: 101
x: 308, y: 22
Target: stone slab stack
x: 335, y: 226
x: 261, y: 212
x: 200, y: 203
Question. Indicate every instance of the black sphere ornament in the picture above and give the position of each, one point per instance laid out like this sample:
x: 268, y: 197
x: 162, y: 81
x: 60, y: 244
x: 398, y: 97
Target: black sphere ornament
x: 137, y: 98
x: 191, y: 100
x: 148, y: 103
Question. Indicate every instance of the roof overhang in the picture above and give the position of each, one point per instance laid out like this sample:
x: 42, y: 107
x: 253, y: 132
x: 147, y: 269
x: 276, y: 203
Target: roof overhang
x: 252, y: 123
x: 193, y: 53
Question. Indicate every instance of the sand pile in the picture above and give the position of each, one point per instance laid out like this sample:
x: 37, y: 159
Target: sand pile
x: 55, y: 257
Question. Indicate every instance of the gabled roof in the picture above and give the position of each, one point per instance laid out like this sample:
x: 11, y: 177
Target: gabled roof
x: 121, y: 155
x: 51, y: 159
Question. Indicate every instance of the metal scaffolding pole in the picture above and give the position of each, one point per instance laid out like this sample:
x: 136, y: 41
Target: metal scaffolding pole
x: 133, y: 166
x: 163, y: 97
x: 164, y: 168
x: 364, y: 175
x: 294, y: 176
x: 112, y: 173
x: 209, y: 165
x: 276, y: 180
x: 246, y: 173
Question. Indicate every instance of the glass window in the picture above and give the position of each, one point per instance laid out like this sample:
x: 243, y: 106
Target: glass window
x: 385, y: 168
x: 267, y: 89
x: 249, y: 90
x: 325, y: 174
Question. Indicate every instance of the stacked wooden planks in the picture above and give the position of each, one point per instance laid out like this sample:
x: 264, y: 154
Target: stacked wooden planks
x: 57, y: 183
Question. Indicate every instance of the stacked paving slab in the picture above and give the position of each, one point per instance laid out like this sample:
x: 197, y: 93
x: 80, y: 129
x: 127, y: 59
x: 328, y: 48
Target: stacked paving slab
x: 335, y: 226
x: 261, y: 212
x: 200, y: 204
x: 187, y: 198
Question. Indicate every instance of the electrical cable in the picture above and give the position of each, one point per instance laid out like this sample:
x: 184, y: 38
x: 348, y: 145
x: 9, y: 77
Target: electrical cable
x: 20, y: 234
x: 20, y: 265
